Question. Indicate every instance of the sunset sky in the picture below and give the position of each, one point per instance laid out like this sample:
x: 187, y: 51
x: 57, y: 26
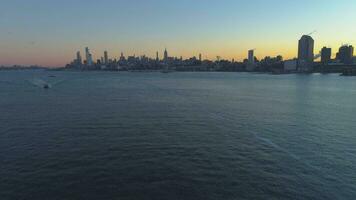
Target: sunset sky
x: 49, y: 32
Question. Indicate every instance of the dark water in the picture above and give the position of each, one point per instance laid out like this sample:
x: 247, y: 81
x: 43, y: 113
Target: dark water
x: 176, y: 136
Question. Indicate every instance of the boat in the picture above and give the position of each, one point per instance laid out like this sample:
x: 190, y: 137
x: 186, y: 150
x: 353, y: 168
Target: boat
x: 46, y: 86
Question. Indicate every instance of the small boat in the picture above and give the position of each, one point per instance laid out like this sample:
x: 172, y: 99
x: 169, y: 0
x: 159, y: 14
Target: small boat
x: 46, y: 86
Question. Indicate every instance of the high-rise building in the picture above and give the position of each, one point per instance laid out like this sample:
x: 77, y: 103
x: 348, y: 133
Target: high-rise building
x: 251, y: 57
x: 345, y: 54
x: 88, y: 57
x: 157, y: 56
x: 200, y: 57
x: 305, y: 53
x: 251, y: 60
x: 106, y: 58
x: 79, y: 58
x: 325, y: 55
x: 165, y: 55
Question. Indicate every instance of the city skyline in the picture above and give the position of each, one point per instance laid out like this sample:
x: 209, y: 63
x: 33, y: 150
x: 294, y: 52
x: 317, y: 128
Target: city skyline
x: 43, y: 33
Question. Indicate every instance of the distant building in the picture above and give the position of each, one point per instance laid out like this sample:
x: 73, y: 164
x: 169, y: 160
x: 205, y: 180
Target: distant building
x: 345, y: 54
x: 79, y: 59
x: 251, y: 65
x: 165, y: 55
x: 305, y: 53
x: 122, y: 57
x: 200, y: 59
x: 88, y: 57
x: 290, y: 65
x: 251, y: 57
x: 325, y: 55
x: 157, y: 56
x: 106, y: 58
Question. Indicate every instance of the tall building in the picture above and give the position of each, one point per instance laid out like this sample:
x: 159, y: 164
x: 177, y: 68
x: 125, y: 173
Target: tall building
x: 345, y: 54
x: 157, y: 56
x: 306, y: 53
x: 106, y: 58
x: 325, y: 55
x: 200, y: 57
x: 88, y: 57
x: 251, y: 60
x: 251, y: 57
x: 165, y: 55
x: 79, y: 58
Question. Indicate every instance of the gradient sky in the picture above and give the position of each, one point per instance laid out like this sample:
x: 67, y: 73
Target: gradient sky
x: 49, y: 32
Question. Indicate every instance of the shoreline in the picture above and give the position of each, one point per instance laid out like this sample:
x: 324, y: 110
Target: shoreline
x: 160, y: 71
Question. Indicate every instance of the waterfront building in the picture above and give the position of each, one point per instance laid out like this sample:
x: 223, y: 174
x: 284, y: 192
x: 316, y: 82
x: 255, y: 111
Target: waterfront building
x: 88, y: 57
x: 165, y: 55
x: 305, y: 53
x: 290, y: 66
x: 325, y: 55
x: 251, y: 57
x: 79, y: 59
x: 106, y: 58
x: 345, y: 54
x: 251, y: 64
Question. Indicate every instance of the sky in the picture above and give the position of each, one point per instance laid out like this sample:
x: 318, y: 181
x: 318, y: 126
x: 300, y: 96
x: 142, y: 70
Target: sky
x: 49, y: 32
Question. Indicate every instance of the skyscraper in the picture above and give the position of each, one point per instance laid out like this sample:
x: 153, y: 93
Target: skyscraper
x: 157, y: 57
x: 88, y: 57
x: 251, y: 60
x: 345, y: 54
x: 200, y: 57
x: 165, y: 55
x: 106, y: 58
x: 305, y: 53
x: 79, y: 58
x: 251, y: 57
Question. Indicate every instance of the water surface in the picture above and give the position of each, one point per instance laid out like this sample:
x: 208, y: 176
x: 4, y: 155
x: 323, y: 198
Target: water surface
x: 97, y: 135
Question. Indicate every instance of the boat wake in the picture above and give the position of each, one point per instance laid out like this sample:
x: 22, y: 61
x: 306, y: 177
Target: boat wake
x: 40, y: 83
x: 281, y: 149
